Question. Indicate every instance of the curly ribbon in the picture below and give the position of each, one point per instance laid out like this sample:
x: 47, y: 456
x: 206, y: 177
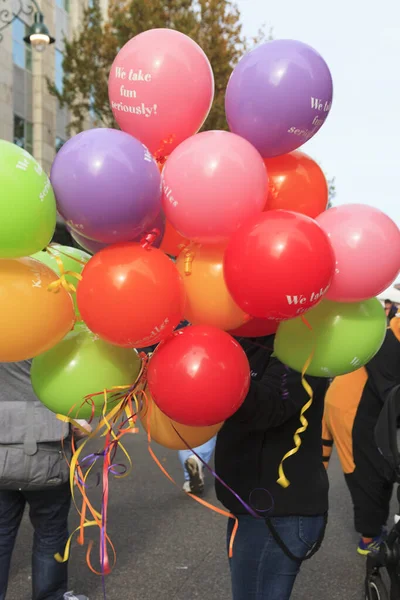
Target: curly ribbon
x: 121, y: 399
x: 188, y: 262
x: 149, y: 238
x: 283, y: 480
x: 78, y: 479
x: 55, y: 286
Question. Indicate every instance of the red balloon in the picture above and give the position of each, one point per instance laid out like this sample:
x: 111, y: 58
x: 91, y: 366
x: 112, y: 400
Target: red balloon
x: 256, y: 328
x: 199, y: 377
x: 131, y: 296
x: 296, y: 183
x: 279, y: 265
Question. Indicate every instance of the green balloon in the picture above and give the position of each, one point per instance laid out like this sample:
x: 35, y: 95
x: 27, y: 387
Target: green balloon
x: 69, y: 264
x: 79, y: 365
x: 344, y: 337
x: 28, y: 213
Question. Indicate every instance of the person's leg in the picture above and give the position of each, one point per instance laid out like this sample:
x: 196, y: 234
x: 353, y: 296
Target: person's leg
x: 207, y: 450
x: 371, y: 504
x: 49, y: 516
x: 193, y: 467
x: 260, y: 569
x: 12, y: 506
x: 183, y: 456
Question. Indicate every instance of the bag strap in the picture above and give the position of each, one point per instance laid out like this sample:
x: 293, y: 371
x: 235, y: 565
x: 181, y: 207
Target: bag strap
x: 286, y: 550
x: 30, y: 444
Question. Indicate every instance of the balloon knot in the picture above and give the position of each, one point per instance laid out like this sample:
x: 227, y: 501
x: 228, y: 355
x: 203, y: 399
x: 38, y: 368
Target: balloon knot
x: 161, y: 155
x: 55, y: 286
x: 189, y: 256
x: 148, y: 240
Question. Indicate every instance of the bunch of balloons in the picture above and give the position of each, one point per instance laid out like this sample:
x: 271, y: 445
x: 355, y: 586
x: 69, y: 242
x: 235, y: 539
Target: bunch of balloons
x: 242, y: 211
x: 227, y: 230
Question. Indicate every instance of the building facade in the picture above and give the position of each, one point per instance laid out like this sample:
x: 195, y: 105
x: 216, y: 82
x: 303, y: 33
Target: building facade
x: 29, y: 115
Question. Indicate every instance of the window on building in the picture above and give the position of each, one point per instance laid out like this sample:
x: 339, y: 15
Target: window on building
x: 23, y: 133
x: 63, y: 4
x: 59, y: 71
x: 59, y: 143
x: 22, y: 53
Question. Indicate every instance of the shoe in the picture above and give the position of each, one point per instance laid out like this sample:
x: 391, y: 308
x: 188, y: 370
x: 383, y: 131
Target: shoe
x: 365, y: 548
x: 72, y: 596
x: 196, y: 478
x: 186, y: 487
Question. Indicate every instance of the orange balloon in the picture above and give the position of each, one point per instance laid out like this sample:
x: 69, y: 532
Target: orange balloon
x: 173, y: 241
x: 164, y: 431
x: 296, y: 183
x: 32, y: 319
x: 208, y: 301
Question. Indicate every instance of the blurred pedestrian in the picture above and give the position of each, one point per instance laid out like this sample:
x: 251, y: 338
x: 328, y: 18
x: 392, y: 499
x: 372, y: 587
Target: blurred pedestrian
x: 193, y: 467
x: 390, y: 309
x: 352, y: 408
x: 34, y: 472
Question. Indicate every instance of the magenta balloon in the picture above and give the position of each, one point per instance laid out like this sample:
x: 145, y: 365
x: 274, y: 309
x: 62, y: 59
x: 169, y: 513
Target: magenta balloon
x: 279, y: 96
x: 92, y: 246
x: 366, y: 243
x: 107, y: 185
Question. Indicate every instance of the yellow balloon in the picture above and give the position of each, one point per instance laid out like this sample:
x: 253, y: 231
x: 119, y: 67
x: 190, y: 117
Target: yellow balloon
x: 208, y: 301
x: 32, y: 319
x: 164, y: 431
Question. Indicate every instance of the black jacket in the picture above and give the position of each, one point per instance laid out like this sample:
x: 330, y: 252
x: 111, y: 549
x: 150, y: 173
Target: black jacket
x: 254, y: 440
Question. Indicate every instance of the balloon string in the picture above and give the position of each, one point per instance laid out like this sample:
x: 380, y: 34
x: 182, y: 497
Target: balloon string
x: 283, y: 480
x: 55, y: 286
x: 247, y: 507
x: 54, y: 251
x: 100, y: 519
x: 122, y: 396
x: 196, y: 498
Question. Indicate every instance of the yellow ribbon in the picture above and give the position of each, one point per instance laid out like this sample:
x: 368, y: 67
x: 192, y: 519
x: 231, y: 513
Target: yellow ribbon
x: 187, y: 265
x: 106, y: 423
x: 55, y: 286
x: 283, y: 480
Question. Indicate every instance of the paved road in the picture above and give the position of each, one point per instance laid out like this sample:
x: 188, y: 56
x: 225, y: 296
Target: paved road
x: 171, y: 548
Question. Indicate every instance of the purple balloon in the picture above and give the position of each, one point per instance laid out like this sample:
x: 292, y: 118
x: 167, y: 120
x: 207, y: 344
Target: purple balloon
x: 93, y: 246
x: 107, y: 185
x: 279, y: 96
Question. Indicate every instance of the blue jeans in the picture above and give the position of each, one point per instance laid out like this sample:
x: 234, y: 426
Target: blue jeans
x: 260, y: 569
x: 48, y: 512
x: 205, y: 452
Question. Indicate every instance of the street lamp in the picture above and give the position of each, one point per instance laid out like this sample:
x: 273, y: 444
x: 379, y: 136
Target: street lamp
x: 38, y: 34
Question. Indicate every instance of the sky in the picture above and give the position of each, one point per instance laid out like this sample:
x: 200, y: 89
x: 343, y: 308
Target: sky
x: 360, y: 41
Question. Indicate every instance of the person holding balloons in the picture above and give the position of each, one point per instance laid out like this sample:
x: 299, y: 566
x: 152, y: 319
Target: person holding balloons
x: 280, y: 525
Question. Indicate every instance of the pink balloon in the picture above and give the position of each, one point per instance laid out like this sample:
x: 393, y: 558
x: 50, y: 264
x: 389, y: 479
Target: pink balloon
x: 161, y: 88
x: 212, y: 183
x: 366, y: 243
